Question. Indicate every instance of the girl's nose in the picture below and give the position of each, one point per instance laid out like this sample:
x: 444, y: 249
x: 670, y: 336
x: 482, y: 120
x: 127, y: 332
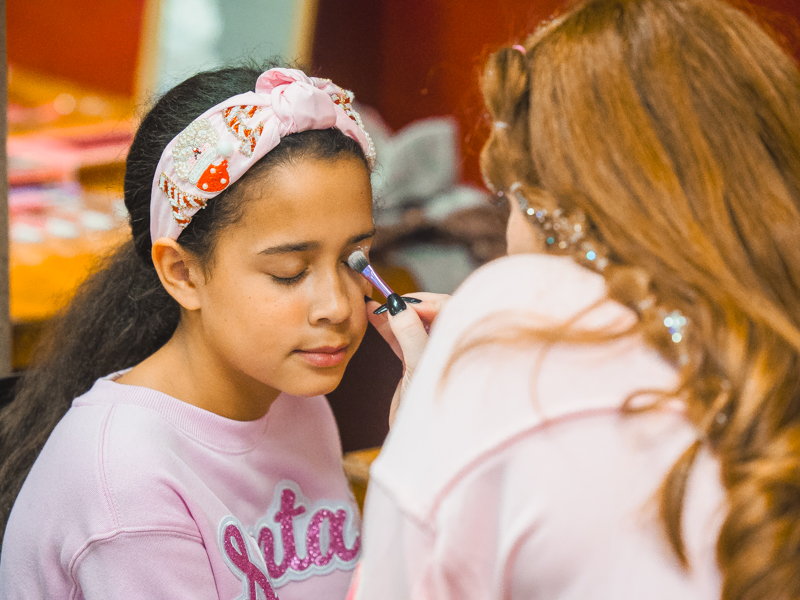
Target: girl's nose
x: 331, y: 301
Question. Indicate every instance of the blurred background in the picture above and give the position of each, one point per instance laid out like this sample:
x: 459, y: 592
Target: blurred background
x: 82, y: 72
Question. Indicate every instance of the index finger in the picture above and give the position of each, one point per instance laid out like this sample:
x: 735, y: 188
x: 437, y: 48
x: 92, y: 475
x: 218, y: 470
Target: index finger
x: 430, y: 307
x: 411, y: 334
x: 381, y: 323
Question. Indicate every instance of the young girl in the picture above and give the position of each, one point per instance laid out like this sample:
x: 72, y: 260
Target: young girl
x: 199, y: 458
x: 650, y: 152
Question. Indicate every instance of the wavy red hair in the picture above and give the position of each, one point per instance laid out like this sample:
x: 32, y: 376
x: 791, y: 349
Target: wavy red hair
x: 674, y: 126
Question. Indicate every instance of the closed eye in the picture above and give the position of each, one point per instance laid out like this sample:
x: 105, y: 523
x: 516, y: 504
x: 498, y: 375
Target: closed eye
x: 289, y: 280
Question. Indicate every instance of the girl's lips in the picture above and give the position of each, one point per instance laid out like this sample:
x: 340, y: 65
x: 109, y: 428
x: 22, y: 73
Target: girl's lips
x: 325, y: 356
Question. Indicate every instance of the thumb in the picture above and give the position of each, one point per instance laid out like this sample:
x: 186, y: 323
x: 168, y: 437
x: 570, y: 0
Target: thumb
x: 411, y: 335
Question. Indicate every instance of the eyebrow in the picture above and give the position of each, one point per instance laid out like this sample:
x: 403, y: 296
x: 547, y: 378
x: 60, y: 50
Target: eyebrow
x: 306, y: 246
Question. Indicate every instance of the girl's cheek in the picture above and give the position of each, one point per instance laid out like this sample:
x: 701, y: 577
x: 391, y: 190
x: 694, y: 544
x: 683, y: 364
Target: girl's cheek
x: 364, y: 286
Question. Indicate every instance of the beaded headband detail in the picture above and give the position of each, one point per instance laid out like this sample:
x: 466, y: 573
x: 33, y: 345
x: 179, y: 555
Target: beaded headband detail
x: 219, y: 146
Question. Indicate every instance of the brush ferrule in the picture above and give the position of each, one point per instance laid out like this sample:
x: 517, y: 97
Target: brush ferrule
x: 376, y: 280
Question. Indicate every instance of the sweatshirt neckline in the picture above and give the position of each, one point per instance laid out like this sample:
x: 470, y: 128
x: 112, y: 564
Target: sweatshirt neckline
x: 211, y: 429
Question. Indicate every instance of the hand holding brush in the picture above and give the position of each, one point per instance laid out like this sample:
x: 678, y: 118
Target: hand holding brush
x: 395, y: 303
x: 405, y: 331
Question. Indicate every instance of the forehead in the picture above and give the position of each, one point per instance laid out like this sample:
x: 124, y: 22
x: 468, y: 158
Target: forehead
x: 308, y: 200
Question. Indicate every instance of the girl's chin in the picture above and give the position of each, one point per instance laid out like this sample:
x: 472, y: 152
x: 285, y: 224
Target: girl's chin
x: 319, y: 386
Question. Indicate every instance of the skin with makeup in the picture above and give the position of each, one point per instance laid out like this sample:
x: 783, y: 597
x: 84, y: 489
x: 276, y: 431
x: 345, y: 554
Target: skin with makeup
x: 281, y: 310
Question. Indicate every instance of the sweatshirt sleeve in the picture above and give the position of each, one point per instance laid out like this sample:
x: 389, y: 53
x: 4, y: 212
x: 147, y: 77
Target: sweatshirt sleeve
x: 145, y: 564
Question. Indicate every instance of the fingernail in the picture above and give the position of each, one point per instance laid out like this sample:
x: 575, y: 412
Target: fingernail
x: 411, y: 300
x: 380, y: 310
x: 396, y: 304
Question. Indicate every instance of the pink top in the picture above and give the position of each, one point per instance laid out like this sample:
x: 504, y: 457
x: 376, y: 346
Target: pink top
x: 520, y: 477
x: 139, y: 495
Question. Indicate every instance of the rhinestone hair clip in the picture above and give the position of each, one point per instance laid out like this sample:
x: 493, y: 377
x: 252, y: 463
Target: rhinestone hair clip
x: 569, y: 233
x: 564, y: 232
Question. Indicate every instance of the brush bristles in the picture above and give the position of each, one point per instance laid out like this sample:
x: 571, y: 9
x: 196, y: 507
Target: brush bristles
x: 357, y: 261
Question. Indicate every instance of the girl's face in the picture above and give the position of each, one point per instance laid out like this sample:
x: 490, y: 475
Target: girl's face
x: 281, y: 306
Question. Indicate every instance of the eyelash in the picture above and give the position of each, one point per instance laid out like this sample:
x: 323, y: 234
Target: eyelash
x: 298, y: 277
x: 289, y: 280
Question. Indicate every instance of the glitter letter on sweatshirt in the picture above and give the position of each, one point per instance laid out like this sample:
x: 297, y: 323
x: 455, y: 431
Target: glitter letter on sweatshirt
x: 235, y: 551
x: 299, y: 539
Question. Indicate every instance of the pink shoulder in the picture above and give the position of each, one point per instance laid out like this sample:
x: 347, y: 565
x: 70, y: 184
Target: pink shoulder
x: 550, y: 289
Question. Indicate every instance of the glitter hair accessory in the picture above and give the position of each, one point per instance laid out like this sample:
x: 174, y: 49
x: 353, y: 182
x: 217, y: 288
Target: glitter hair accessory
x: 218, y: 147
x: 569, y: 233
x: 564, y: 232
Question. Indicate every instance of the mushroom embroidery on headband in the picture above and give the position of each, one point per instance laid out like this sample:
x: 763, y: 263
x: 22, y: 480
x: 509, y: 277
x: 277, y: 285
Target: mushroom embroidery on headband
x: 200, y: 157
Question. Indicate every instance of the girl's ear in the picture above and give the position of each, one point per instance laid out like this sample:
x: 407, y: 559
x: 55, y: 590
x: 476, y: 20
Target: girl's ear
x: 179, y: 272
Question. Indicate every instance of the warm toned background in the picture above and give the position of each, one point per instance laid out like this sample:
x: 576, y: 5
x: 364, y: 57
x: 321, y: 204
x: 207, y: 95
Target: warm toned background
x: 104, y: 33
x: 417, y: 58
x: 409, y: 59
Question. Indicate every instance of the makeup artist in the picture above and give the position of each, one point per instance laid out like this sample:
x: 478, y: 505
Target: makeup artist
x: 613, y: 411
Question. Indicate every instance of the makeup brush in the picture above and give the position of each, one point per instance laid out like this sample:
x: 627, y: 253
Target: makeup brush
x: 394, y: 302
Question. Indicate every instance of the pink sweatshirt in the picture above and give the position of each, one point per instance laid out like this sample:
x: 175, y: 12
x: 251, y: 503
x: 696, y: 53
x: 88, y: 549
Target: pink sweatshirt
x: 139, y: 495
x: 520, y: 477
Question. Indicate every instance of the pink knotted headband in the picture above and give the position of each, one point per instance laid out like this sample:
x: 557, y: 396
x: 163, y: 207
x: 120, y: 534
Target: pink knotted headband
x: 218, y: 147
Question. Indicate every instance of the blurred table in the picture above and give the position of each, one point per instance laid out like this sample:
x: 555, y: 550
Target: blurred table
x: 356, y: 468
x: 66, y: 151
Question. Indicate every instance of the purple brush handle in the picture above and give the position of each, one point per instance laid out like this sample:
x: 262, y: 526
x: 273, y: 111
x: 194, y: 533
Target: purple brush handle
x: 376, y: 280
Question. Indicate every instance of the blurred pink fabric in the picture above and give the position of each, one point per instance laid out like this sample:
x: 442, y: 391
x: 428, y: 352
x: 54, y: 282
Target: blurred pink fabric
x: 520, y: 477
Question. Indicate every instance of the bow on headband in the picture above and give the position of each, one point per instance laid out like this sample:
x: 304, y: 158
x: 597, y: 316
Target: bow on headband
x: 218, y: 147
